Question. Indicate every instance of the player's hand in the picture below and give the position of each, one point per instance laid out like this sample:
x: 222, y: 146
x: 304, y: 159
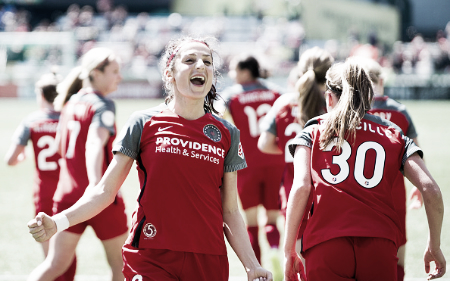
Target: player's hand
x: 439, y: 260
x: 294, y: 269
x: 42, y: 227
x: 416, y: 198
x: 259, y: 274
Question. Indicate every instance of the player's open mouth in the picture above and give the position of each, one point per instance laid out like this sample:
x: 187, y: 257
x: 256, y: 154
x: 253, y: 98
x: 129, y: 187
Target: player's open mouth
x: 198, y: 80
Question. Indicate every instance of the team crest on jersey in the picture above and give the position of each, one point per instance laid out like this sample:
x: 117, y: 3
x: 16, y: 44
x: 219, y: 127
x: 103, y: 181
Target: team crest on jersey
x: 212, y: 132
x: 149, y: 230
x: 241, y: 151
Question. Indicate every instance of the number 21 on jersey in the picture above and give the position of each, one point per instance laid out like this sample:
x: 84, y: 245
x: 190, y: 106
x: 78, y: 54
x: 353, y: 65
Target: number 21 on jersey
x: 360, y: 159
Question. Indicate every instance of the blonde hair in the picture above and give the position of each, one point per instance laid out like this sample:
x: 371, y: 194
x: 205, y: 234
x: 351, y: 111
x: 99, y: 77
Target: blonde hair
x: 95, y: 58
x: 167, y: 63
x: 350, y: 82
x: 312, y: 66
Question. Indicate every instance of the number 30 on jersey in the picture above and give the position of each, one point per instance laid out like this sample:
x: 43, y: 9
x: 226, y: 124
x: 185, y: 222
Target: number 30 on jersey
x: 360, y: 159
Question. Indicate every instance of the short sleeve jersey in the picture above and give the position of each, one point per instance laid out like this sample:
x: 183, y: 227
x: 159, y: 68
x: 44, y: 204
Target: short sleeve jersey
x: 248, y: 104
x: 40, y: 128
x: 84, y: 110
x: 352, y: 188
x: 181, y: 164
x: 395, y: 112
x: 281, y: 122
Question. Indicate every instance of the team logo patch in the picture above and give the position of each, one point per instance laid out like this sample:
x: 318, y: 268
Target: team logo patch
x: 212, y: 132
x: 149, y: 230
x: 241, y: 151
x: 108, y: 118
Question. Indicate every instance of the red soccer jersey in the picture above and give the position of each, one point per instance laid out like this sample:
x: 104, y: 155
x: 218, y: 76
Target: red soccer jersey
x: 247, y: 107
x: 181, y: 164
x: 395, y: 112
x: 353, y: 187
x: 40, y: 128
x: 287, y: 128
x: 83, y: 110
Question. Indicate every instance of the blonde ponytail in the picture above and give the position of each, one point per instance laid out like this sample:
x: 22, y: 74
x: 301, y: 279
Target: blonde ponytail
x: 356, y: 90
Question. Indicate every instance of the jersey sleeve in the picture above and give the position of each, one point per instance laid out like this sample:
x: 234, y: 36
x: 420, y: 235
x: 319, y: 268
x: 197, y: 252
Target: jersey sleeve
x: 268, y: 122
x: 105, y: 116
x: 22, y: 134
x: 304, y: 138
x: 410, y: 149
x: 411, y: 132
x: 128, y: 141
x: 235, y: 159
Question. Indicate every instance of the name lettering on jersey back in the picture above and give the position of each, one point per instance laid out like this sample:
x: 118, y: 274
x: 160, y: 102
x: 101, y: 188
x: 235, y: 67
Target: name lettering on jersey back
x: 256, y: 96
x: 189, y: 149
x: 46, y: 127
x: 372, y: 128
x: 384, y: 115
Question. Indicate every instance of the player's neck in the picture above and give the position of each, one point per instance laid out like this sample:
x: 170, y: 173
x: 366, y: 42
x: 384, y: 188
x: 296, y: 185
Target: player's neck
x: 46, y: 106
x: 188, y: 109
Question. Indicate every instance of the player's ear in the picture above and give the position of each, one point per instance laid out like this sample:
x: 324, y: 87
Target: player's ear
x: 169, y: 75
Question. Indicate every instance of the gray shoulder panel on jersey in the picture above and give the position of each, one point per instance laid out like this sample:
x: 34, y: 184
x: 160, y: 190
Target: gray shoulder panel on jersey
x: 233, y: 161
x: 304, y: 138
x: 410, y: 149
x: 105, y: 111
x: 391, y: 104
x: 268, y: 123
x: 381, y: 121
x: 129, y: 139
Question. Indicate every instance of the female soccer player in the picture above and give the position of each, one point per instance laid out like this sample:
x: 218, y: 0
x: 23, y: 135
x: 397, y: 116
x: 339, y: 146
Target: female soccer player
x: 248, y: 101
x: 87, y: 130
x: 187, y: 160
x: 395, y: 112
x: 348, y: 160
x: 291, y: 111
x: 40, y: 128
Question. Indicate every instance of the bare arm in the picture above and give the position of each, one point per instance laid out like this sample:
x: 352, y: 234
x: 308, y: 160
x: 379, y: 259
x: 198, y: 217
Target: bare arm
x: 267, y: 143
x: 93, y: 201
x: 15, y: 154
x: 418, y: 174
x: 415, y: 196
x: 235, y: 229
x: 298, y: 199
x: 97, y: 138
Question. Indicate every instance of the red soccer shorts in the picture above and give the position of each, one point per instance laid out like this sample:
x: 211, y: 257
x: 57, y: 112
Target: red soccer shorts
x: 166, y: 265
x: 109, y: 223
x: 352, y: 258
x: 260, y: 185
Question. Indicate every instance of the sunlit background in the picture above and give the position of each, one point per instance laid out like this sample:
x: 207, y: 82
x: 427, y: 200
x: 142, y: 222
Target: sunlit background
x: 410, y: 38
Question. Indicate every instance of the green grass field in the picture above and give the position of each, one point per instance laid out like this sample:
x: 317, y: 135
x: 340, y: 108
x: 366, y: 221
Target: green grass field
x: 20, y: 253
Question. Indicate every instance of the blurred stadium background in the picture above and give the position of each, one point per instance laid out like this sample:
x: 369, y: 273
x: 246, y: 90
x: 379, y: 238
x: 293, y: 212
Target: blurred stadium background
x: 410, y: 39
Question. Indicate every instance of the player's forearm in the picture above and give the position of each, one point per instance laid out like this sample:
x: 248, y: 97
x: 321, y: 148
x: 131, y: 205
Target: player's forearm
x: 297, y: 202
x: 97, y: 198
x: 94, y: 162
x: 434, y: 208
x: 236, y: 234
x: 267, y: 143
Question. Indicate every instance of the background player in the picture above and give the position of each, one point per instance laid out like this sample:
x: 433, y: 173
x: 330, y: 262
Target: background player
x: 87, y: 130
x: 187, y: 160
x: 291, y: 111
x: 248, y: 101
x: 354, y: 231
x: 40, y: 128
x: 395, y: 112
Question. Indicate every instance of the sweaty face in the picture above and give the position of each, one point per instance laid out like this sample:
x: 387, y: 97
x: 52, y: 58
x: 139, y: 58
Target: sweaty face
x: 193, y: 71
x: 107, y: 81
